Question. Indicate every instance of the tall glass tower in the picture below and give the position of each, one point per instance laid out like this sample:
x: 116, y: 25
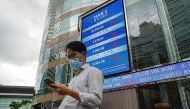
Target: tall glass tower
x: 60, y: 28
x: 159, y: 35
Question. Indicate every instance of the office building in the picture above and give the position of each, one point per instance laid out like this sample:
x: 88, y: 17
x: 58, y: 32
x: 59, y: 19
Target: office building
x: 159, y: 35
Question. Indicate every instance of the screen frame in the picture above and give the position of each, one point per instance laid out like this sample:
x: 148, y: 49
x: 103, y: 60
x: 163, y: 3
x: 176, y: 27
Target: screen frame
x: 99, y: 7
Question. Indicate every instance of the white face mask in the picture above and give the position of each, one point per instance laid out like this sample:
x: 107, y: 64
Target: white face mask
x: 75, y: 64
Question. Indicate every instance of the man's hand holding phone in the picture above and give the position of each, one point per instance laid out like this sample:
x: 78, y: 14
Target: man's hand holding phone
x: 62, y: 89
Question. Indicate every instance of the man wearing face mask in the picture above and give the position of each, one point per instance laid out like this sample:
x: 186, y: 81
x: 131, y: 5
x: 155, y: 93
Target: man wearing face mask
x: 86, y: 88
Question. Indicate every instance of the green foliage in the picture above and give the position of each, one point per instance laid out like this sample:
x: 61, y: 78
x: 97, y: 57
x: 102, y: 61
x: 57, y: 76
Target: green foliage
x: 17, y: 105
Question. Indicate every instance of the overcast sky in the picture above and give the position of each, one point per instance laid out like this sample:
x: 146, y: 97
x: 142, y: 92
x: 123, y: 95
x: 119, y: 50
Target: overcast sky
x: 21, y: 29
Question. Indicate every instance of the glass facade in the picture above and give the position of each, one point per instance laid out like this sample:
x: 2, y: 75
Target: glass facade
x: 146, y: 34
x: 159, y: 34
x: 61, y: 27
x: 171, y: 95
x: 179, y: 23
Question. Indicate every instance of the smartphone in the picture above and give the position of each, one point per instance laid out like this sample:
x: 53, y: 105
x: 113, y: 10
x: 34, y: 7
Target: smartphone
x: 49, y: 81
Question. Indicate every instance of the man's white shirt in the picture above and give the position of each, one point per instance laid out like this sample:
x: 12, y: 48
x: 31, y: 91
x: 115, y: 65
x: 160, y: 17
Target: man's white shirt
x: 89, y: 83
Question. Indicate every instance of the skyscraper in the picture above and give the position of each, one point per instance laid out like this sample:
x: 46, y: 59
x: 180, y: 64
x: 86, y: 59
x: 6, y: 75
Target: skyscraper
x: 148, y: 49
x: 175, y: 17
x: 179, y: 20
x: 61, y: 27
x: 158, y: 36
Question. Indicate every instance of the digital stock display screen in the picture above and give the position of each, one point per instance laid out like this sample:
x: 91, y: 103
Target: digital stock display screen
x: 147, y: 76
x: 105, y: 35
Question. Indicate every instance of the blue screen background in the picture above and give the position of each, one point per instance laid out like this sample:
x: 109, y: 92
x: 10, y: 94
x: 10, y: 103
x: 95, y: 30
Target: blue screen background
x: 105, y: 36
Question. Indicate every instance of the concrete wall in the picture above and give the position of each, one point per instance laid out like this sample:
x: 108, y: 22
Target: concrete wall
x: 123, y: 99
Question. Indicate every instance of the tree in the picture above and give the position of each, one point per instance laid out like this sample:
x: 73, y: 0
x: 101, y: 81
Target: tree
x: 17, y: 105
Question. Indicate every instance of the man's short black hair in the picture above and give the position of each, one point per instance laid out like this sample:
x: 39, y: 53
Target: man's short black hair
x: 76, y: 46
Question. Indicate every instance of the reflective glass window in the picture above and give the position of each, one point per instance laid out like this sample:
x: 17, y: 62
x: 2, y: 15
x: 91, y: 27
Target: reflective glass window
x: 67, y: 4
x: 86, y: 1
x: 177, y: 17
x: 76, y: 2
x: 74, y: 20
x: 146, y: 34
x: 159, y: 34
x: 59, y: 74
x: 171, y: 95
